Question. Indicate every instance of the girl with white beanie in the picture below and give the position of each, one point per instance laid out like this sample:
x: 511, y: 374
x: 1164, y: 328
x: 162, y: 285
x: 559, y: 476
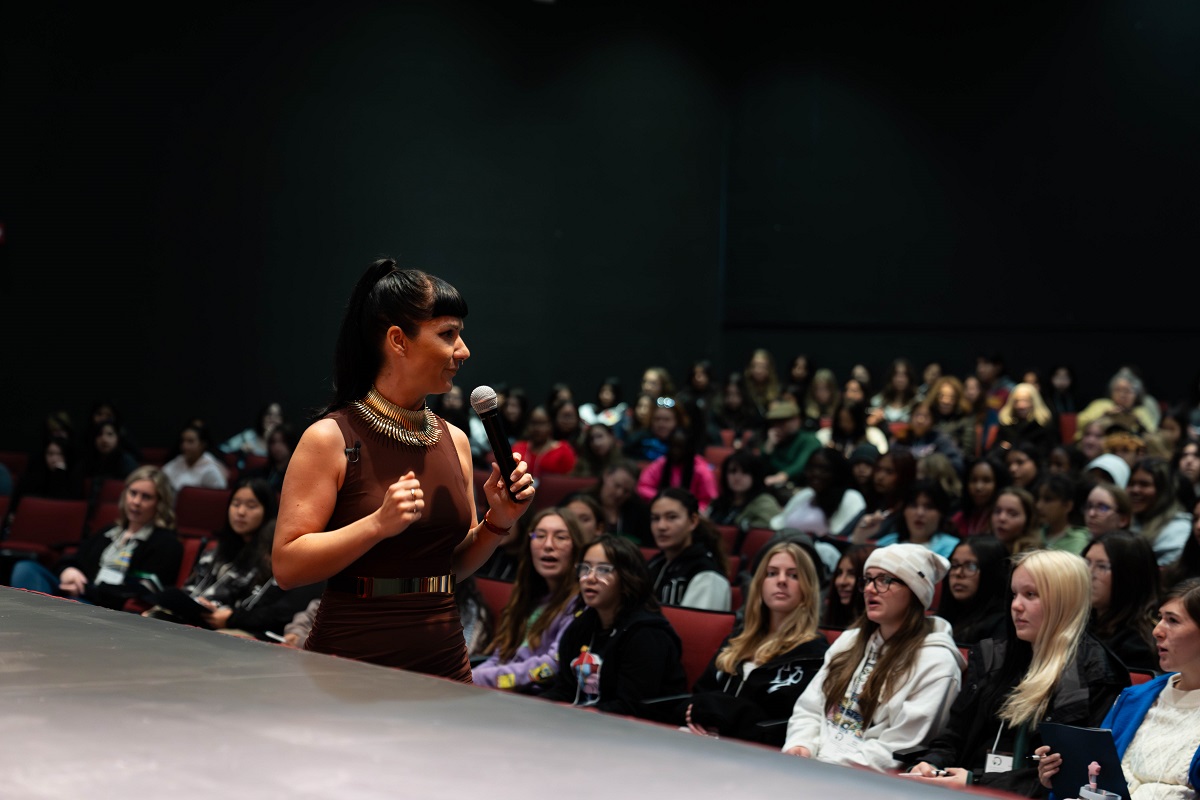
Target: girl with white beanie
x: 888, y: 684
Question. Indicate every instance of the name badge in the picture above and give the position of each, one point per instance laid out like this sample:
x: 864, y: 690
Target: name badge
x: 999, y: 762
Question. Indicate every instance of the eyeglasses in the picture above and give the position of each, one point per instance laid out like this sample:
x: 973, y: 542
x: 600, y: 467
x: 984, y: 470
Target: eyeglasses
x: 665, y: 402
x: 882, y: 583
x: 601, y: 571
x: 559, y: 537
x: 1099, y: 508
x: 1099, y: 566
x: 965, y: 567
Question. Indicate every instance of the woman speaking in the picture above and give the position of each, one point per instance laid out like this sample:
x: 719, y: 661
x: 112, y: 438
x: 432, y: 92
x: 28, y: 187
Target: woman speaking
x: 378, y: 496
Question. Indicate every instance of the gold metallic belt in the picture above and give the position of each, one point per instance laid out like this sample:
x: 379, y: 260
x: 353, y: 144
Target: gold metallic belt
x: 381, y: 587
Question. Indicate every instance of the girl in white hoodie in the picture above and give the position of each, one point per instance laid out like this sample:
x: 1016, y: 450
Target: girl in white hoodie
x: 887, y: 685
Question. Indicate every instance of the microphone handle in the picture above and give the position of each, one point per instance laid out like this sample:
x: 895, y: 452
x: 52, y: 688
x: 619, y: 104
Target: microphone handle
x: 501, y: 449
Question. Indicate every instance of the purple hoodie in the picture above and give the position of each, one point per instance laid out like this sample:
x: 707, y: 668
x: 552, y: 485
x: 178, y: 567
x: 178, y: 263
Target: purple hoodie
x: 530, y: 670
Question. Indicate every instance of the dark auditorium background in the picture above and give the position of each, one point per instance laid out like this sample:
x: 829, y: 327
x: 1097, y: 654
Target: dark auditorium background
x: 189, y: 191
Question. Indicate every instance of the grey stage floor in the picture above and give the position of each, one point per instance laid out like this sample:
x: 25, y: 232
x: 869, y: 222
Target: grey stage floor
x: 98, y: 704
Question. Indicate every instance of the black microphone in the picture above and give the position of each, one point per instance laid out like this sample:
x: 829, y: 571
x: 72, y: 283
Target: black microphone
x: 487, y: 406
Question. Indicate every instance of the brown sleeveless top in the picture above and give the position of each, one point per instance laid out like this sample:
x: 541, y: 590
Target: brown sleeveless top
x: 425, y: 548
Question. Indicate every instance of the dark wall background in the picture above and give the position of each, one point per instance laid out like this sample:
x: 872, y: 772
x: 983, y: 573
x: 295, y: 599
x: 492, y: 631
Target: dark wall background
x: 188, y: 195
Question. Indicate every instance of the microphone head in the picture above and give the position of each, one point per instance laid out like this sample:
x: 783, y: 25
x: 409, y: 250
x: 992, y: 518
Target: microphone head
x: 484, y: 400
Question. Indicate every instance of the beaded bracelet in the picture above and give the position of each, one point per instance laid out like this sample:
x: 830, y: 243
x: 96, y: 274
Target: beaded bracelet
x: 487, y: 523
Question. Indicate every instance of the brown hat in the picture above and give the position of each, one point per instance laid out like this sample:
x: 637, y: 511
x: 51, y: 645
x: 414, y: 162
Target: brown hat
x: 782, y: 409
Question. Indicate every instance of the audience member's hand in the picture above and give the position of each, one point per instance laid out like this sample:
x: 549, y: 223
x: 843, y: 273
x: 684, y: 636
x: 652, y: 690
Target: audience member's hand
x: 799, y: 750
x: 778, y: 479
x: 291, y: 639
x: 928, y: 771
x: 867, y: 527
x: 218, y: 618
x: 1049, y: 765
x: 695, y: 728
x: 72, y: 582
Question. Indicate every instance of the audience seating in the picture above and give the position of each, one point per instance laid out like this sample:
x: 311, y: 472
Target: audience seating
x: 730, y: 535
x: 831, y: 634
x: 201, y: 509
x: 41, y: 527
x: 755, y: 539
x: 4, y: 502
x: 727, y: 435
x: 156, y: 455
x: 735, y: 598
x: 552, y: 489
x: 716, y: 455
x: 701, y: 633
x: 649, y: 552
x: 495, y: 595
x: 1066, y: 427
x: 1138, y: 676
x: 16, y: 462
x: 104, y: 516
x: 193, y: 546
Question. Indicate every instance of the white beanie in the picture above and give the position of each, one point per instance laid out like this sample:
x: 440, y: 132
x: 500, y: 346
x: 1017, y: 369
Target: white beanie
x: 920, y: 569
x: 1114, y: 465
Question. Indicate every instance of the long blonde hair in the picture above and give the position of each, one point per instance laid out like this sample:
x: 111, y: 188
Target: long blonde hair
x: 164, y: 510
x: 756, y: 642
x: 1064, y: 585
x: 1040, y: 413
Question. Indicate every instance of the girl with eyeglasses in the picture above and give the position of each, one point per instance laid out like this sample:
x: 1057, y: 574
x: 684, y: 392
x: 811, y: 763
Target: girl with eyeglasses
x: 975, y: 591
x: 1107, y: 509
x: 1124, y: 596
x: 1046, y: 668
x: 888, y: 684
x: 620, y: 650
x: 544, y: 601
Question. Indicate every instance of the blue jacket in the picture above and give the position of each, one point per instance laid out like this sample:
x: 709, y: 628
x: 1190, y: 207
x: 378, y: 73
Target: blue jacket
x: 1128, y: 712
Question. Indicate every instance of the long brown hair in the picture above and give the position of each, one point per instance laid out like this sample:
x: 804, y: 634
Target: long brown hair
x: 896, y: 660
x: 529, y: 588
x: 756, y: 642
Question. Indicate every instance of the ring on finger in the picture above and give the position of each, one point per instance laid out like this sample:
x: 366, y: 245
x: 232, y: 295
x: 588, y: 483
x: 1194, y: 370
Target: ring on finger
x: 414, y: 493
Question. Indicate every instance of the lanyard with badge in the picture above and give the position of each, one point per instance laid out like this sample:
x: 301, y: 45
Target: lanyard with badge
x: 996, y: 761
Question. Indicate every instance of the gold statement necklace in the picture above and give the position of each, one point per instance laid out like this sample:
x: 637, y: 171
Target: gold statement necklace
x: 417, y: 428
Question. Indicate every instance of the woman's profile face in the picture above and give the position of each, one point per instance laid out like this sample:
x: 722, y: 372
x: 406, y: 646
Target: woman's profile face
x: 616, y: 488
x: 845, y: 582
x: 588, y: 524
x: 672, y: 525
x: 1026, y: 607
x: 1009, y: 520
x: 141, y: 503
x: 1101, y: 514
x: 1096, y: 556
x: 434, y: 356
x: 245, y: 512
x: 1178, y: 638
x: 1189, y: 462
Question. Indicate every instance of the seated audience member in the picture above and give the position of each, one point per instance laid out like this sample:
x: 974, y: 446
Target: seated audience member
x: 975, y: 592
x: 761, y: 380
x: 565, y: 423
x: 821, y: 400
x: 1055, y: 502
x: 698, y: 397
x: 1024, y: 463
x: 657, y: 382
x: 862, y: 467
x: 985, y: 479
x: 1024, y: 417
x: 1154, y: 724
x: 894, y: 474
x: 682, y: 468
x: 544, y: 454
x: 924, y: 520
x: 608, y: 409
x: 1123, y: 406
x: 544, y: 601
x: 599, y: 450
x: 924, y: 440
x: 1065, y: 459
x: 295, y: 633
x: 666, y: 416
x: 743, y: 499
x: 1158, y: 516
x: 1046, y: 667
x: 1108, y: 467
x: 1089, y: 439
x: 620, y: 651
x: 888, y: 684
x: 106, y: 411
x: 516, y: 417
x: 732, y: 413
x: 52, y: 476
x: 690, y: 569
x: 850, y: 429
x: 952, y: 413
x: 1188, y: 565
x: 1124, y: 596
x: 844, y: 603
x: 281, y: 443
x: 787, y: 447
x: 137, y: 556
x: 1013, y: 520
x: 589, y: 515
x: 1107, y: 509
x: 760, y: 671
x: 829, y: 492
x: 898, y: 395
x: 194, y: 466
x: 232, y: 587
x: 253, y: 440
x: 624, y: 512
x: 798, y: 378
x: 1187, y: 464
x: 937, y: 468
x: 104, y: 459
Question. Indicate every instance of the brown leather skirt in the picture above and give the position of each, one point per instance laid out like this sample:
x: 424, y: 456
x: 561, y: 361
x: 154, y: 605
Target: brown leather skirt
x: 418, y: 632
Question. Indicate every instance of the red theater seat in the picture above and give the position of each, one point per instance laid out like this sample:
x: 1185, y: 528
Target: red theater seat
x: 42, y: 526
x: 701, y: 633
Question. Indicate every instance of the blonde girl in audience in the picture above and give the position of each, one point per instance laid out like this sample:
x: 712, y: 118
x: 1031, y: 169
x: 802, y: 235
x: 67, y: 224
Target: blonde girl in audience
x: 761, y: 380
x: 759, y: 672
x: 544, y: 601
x: 888, y: 684
x: 1046, y: 668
